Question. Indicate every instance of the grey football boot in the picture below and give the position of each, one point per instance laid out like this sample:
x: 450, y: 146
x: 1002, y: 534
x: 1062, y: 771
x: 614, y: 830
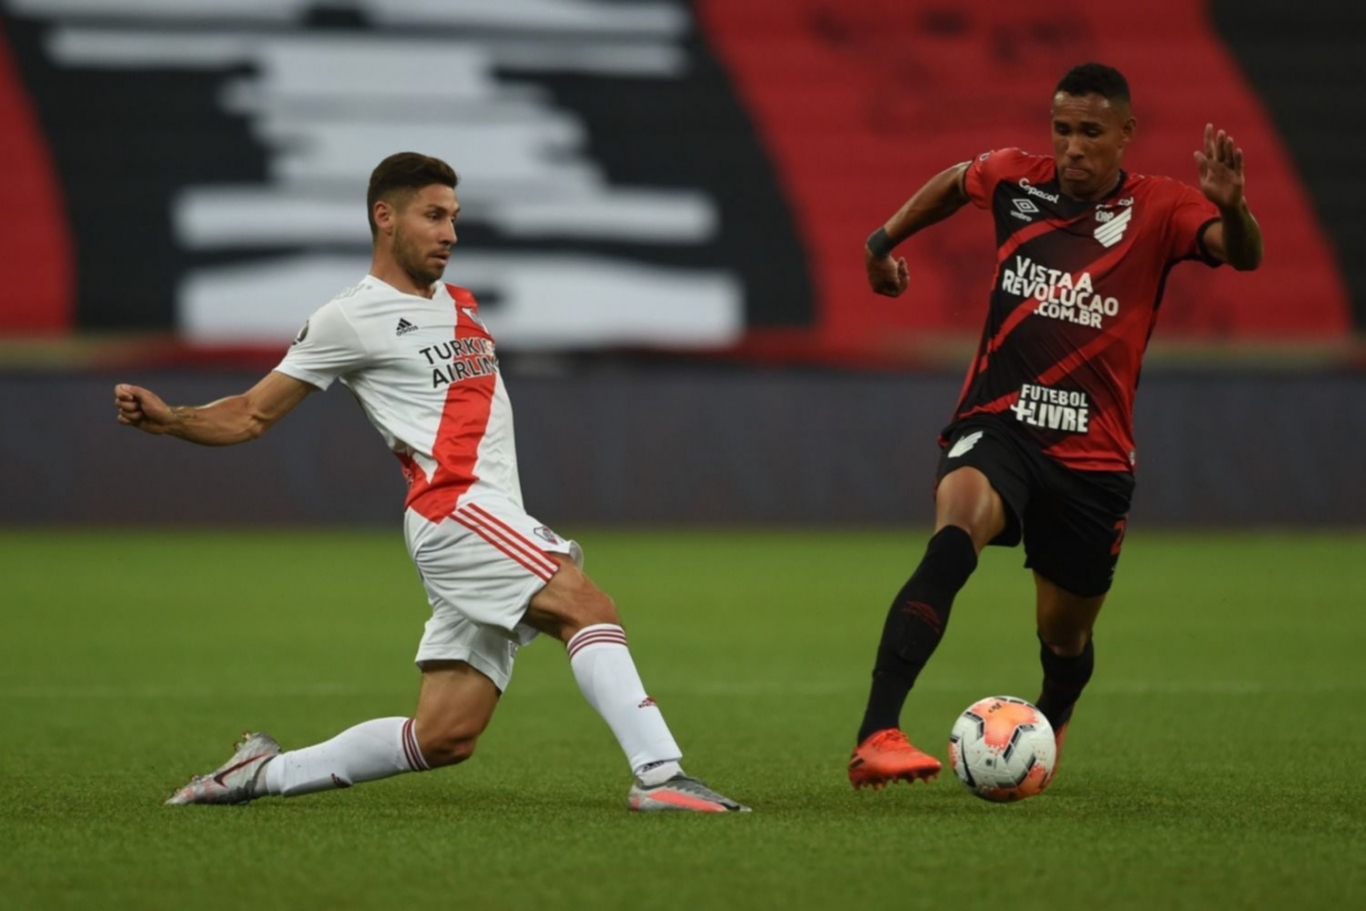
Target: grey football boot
x: 681, y: 792
x: 235, y: 780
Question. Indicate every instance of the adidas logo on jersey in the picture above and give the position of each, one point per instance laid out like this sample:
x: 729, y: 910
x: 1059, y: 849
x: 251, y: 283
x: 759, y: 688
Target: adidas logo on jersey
x: 404, y: 327
x: 1112, y: 225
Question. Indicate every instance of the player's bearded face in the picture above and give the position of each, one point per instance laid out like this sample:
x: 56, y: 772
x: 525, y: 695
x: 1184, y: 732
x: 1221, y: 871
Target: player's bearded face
x: 1089, y: 136
x: 425, y: 232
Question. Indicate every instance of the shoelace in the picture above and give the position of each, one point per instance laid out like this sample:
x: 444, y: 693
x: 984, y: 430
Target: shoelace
x: 695, y: 787
x: 891, y: 739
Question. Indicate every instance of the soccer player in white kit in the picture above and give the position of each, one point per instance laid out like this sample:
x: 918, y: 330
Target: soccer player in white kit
x: 421, y: 362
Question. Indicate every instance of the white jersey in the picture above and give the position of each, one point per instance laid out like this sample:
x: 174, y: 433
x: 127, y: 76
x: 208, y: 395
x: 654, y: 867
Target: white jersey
x: 426, y: 374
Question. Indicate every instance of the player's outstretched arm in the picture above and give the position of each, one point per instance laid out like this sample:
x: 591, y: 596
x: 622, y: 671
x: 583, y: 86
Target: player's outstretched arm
x: 1236, y: 238
x: 235, y: 419
x: 935, y: 201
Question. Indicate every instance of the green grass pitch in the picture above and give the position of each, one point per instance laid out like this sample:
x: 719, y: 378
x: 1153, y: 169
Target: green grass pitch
x: 1218, y: 761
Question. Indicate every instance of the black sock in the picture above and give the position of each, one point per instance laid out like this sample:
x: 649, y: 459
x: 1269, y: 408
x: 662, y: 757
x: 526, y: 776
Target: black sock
x: 1064, y: 678
x: 915, y: 624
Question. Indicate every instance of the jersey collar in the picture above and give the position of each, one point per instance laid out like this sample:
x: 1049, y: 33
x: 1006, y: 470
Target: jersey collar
x: 439, y: 289
x: 1071, y: 207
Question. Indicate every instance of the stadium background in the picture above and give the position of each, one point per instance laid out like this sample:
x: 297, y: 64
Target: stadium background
x: 665, y: 205
x: 664, y: 208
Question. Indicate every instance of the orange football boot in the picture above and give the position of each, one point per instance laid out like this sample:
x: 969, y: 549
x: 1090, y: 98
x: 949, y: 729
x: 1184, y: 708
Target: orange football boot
x: 887, y: 756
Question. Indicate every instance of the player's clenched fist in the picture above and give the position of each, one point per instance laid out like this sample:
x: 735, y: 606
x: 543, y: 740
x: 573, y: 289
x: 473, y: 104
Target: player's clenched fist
x: 886, y: 275
x: 141, y: 408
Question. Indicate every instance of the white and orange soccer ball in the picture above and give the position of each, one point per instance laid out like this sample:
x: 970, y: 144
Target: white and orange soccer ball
x: 1003, y: 749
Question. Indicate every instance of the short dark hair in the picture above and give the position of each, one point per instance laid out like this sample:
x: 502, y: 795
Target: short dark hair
x: 1097, y: 79
x: 404, y: 173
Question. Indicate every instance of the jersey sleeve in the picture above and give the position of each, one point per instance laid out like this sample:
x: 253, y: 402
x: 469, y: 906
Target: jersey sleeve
x: 327, y: 347
x: 986, y: 171
x: 1191, y: 214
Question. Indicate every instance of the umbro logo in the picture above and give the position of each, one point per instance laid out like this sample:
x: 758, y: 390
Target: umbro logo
x: 1025, y: 209
x: 404, y: 327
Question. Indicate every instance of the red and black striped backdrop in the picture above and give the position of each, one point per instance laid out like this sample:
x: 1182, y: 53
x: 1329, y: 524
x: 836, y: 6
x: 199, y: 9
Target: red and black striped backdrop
x: 654, y: 175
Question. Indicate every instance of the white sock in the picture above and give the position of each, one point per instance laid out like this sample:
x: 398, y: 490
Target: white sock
x: 608, y: 678
x: 370, y: 750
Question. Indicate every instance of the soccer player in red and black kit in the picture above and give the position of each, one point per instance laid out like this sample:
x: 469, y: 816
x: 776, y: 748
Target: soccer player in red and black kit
x: 1041, y: 444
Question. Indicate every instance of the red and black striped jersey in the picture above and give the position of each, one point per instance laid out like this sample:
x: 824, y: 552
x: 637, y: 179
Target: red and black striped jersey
x: 1074, y: 301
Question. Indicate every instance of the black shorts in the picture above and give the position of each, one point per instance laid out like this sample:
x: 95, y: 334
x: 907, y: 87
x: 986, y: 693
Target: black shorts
x: 1072, y: 522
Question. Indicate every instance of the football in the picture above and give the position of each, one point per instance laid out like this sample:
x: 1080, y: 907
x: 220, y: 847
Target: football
x: 1002, y: 749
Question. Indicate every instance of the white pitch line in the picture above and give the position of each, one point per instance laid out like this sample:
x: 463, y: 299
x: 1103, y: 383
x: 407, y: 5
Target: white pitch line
x: 735, y: 689
x: 102, y: 691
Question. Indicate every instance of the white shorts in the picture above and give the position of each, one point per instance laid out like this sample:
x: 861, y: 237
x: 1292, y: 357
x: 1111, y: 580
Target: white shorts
x: 481, y: 567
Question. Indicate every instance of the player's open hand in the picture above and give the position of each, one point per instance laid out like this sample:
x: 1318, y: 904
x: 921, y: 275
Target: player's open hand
x: 1221, y: 169
x: 141, y: 408
x: 886, y: 275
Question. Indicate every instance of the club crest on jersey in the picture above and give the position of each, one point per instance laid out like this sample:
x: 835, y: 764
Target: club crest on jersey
x: 545, y: 534
x: 303, y: 334
x: 473, y: 314
x: 1112, y: 224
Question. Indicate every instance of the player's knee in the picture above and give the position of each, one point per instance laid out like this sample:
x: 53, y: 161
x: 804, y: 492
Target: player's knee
x: 570, y: 603
x: 590, y: 607
x: 1065, y: 643
x: 584, y: 604
x: 600, y: 608
x: 965, y: 498
x: 449, y: 748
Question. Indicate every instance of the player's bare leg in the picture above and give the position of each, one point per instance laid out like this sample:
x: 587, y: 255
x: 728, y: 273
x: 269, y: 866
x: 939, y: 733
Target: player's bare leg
x: 454, y: 707
x: 1066, y: 651
x: 583, y: 617
x: 969, y: 513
